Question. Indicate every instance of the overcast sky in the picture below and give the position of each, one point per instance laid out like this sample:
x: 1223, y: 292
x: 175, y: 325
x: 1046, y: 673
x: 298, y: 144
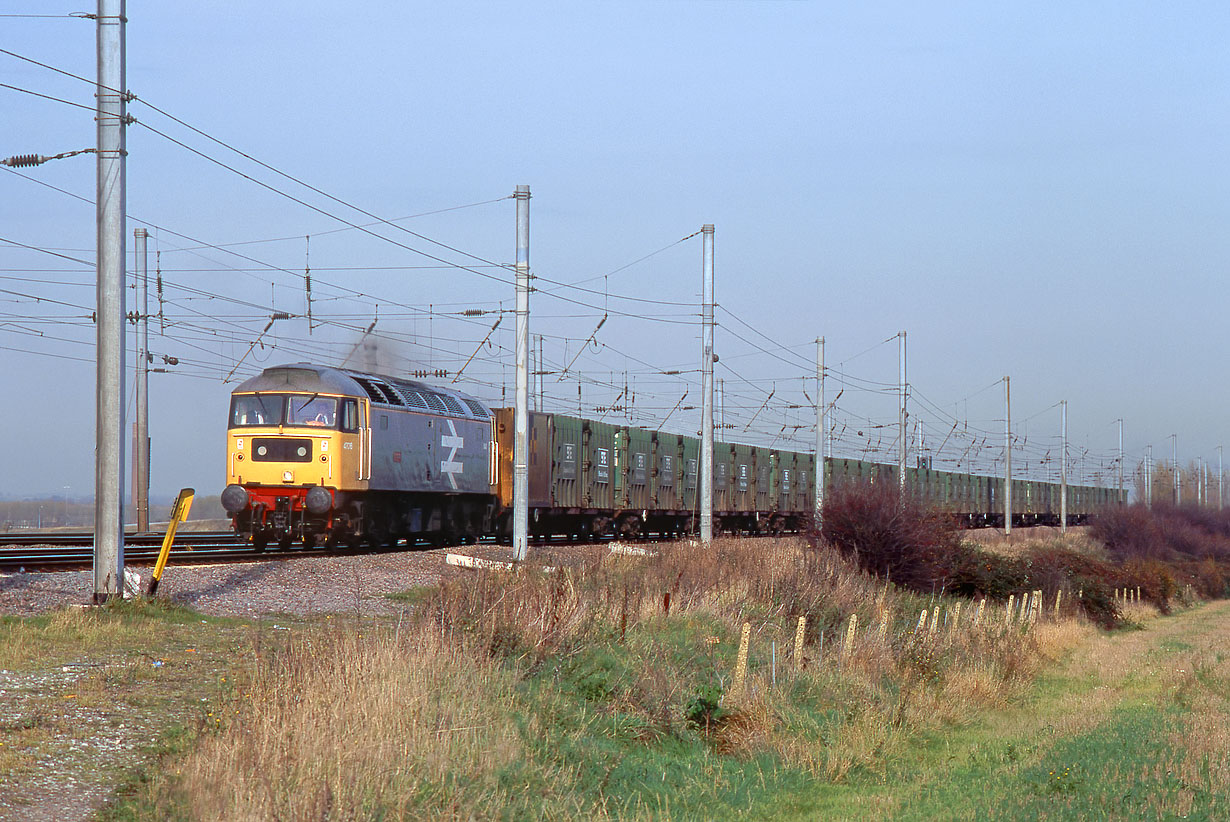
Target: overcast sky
x: 1035, y: 190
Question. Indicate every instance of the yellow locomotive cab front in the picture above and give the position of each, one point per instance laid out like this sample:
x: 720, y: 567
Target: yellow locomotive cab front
x: 288, y: 455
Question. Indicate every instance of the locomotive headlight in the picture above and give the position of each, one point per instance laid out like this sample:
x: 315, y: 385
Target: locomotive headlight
x: 318, y: 500
x: 234, y: 499
x: 288, y: 476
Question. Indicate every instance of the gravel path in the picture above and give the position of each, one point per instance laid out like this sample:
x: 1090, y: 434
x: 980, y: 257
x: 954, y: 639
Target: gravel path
x: 296, y: 585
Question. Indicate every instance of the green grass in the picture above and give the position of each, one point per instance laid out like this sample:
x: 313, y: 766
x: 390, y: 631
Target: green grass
x: 626, y: 763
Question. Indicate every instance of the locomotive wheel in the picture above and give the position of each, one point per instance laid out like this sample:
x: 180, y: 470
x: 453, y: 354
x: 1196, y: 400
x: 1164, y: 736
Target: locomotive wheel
x: 284, y: 543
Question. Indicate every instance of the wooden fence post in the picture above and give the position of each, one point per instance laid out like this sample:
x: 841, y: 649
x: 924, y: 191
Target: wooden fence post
x: 740, y: 679
x: 848, y: 647
x: 799, y: 633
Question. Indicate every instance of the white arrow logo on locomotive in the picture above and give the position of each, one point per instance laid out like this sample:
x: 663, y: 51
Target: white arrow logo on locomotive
x: 450, y: 466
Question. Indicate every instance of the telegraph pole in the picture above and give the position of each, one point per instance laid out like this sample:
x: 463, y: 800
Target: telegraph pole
x: 521, y: 413
x: 820, y: 431
x: 1007, y: 457
x: 706, y: 389
x: 902, y: 455
x: 109, y: 368
x: 1063, y: 467
x: 140, y: 452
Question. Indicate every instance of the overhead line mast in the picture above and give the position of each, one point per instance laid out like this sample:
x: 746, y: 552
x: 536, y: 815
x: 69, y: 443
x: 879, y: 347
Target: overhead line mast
x: 521, y: 433
x: 706, y: 389
x: 109, y: 365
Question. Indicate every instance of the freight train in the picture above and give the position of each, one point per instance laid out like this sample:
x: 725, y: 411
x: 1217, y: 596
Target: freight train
x: 322, y: 455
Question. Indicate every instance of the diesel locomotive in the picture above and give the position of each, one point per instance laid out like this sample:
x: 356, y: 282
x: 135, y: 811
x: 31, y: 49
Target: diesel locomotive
x: 323, y: 455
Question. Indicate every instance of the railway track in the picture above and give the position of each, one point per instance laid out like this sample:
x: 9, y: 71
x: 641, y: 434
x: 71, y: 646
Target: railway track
x: 75, y: 551
x: 82, y: 538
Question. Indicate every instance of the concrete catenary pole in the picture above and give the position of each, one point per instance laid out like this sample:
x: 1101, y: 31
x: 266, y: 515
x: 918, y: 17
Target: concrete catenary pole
x: 521, y: 425
x: 1174, y: 465
x: 902, y: 451
x: 542, y: 378
x: 1148, y: 476
x: 706, y: 389
x: 1221, y: 497
x: 1007, y: 456
x: 820, y: 431
x: 109, y: 369
x: 534, y: 368
x: 1197, y: 483
x: 1063, y: 467
x: 140, y: 452
x: 1122, y: 495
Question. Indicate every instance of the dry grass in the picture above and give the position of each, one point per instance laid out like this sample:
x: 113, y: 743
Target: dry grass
x: 348, y: 725
x: 420, y: 720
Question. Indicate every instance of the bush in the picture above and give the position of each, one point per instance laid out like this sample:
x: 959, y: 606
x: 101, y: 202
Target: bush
x: 973, y: 572
x: 889, y: 534
x: 1053, y: 567
x: 1164, y: 532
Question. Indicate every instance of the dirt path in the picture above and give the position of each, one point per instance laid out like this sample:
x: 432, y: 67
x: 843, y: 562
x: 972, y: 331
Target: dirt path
x: 1134, y: 725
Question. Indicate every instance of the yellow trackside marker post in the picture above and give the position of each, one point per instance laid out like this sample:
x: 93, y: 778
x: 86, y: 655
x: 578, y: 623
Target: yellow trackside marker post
x: 982, y: 606
x: 883, y: 624
x: 179, y: 513
x: 799, y: 633
x: 1058, y: 599
x: 956, y: 617
x: 1011, y: 604
x: 922, y: 622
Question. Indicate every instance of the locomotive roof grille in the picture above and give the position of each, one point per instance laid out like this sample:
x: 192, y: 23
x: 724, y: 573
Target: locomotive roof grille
x: 380, y: 389
x: 369, y: 388
x: 436, y: 402
x: 413, y: 398
x: 392, y: 397
x: 477, y: 409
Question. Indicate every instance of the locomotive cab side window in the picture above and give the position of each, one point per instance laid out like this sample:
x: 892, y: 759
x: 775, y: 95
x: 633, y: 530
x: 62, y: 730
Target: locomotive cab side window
x: 350, y: 416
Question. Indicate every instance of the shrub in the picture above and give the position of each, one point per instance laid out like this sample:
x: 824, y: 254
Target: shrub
x: 973, y: 572
x: 889, y: 534
x: 1053, y: 567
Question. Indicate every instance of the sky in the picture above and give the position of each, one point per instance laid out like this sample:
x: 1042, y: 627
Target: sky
x: 1036, y: 190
